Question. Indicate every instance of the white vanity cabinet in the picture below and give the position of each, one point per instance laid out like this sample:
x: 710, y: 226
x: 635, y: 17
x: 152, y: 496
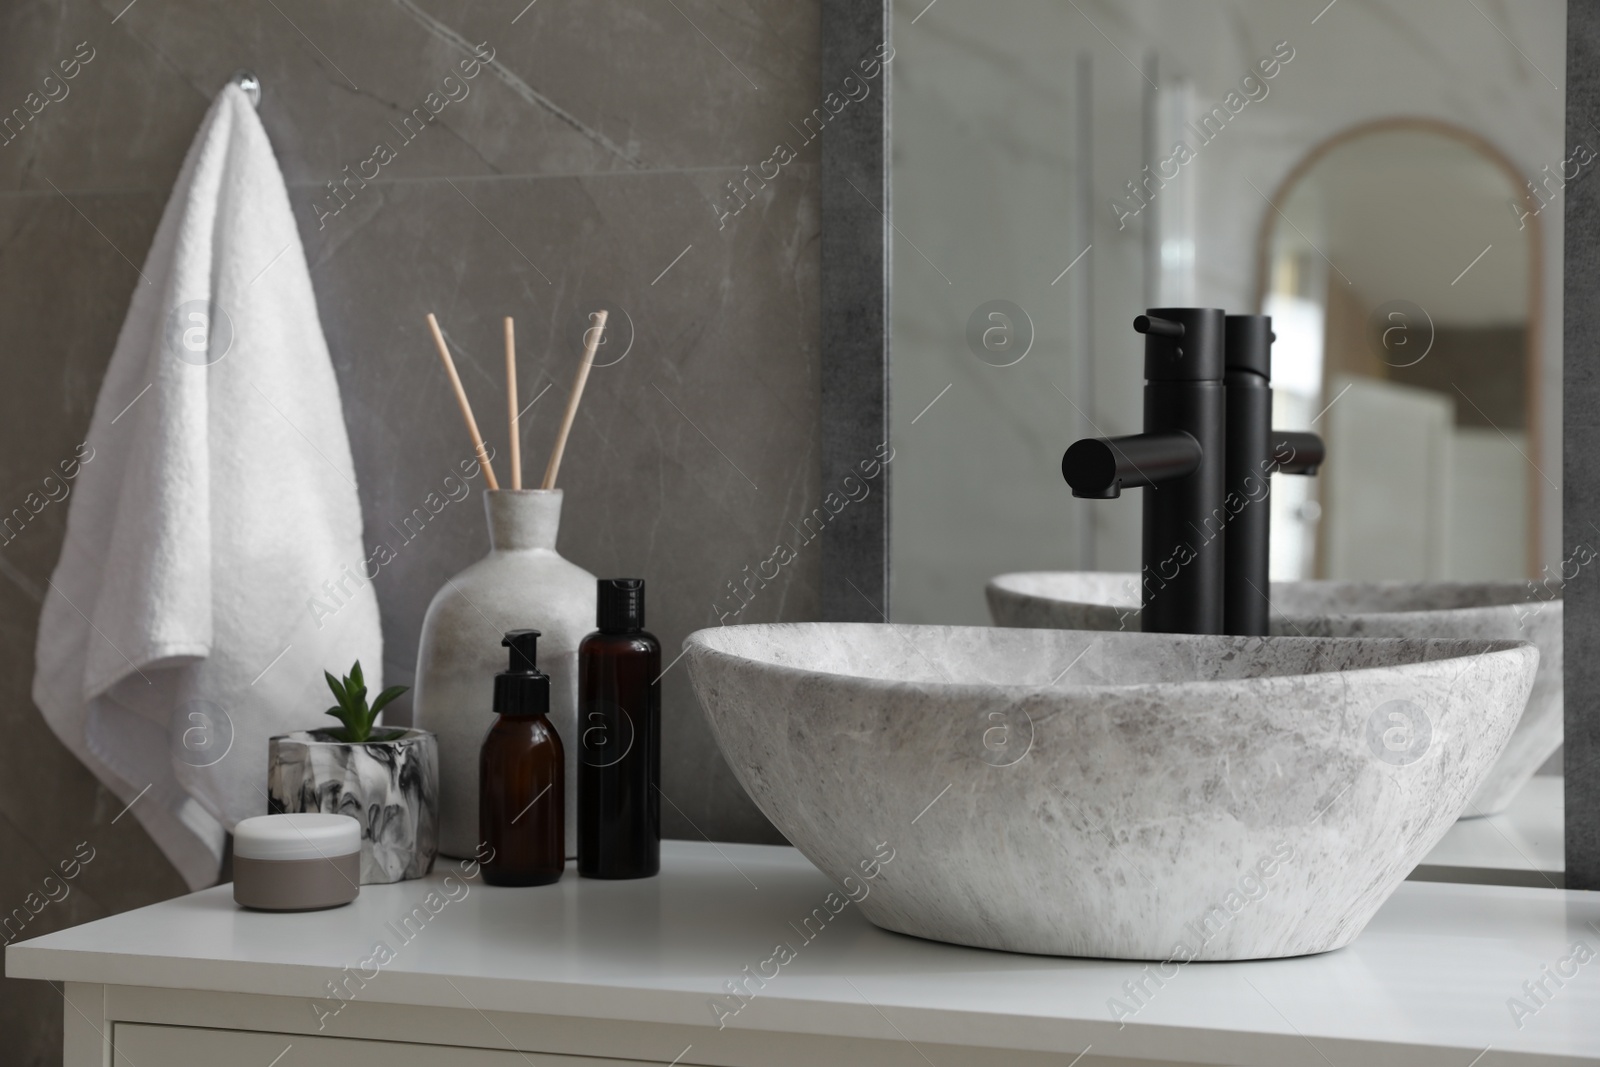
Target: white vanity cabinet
x: 746, y: 956
x: 178, y: 1046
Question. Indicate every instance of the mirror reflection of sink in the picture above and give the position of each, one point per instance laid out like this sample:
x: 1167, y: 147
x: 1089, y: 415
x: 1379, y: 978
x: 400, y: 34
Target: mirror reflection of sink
x: 1502, y: 610
x: 1124, y: 795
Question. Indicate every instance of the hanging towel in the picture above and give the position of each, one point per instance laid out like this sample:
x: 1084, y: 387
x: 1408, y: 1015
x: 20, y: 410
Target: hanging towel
x: 213, y: 565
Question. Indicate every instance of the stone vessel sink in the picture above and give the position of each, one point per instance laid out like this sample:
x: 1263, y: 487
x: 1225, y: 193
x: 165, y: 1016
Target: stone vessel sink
x: 1122, y: 795
x: 1512, y: 611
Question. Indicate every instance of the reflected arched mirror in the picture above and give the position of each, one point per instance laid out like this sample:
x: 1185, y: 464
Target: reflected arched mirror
x: 1400, y: 267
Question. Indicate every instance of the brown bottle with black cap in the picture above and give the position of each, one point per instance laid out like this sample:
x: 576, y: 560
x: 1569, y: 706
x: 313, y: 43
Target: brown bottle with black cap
x: 521, y: 777
x: 619, y: 738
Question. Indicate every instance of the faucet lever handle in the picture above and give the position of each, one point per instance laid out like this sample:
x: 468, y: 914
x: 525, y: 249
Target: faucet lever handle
x: 1158, y: 326
x: 1297, y: 453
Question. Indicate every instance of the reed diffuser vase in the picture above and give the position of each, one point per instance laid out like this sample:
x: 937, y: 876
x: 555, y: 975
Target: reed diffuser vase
x: 522, y: 584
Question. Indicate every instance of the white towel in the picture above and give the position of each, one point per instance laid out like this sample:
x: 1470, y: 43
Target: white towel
x: 213, y: 554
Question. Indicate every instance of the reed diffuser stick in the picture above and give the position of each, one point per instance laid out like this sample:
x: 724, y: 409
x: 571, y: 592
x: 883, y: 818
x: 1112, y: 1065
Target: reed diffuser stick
x: 461, y: 399
x: 591, y: 341
x: 511, y: 404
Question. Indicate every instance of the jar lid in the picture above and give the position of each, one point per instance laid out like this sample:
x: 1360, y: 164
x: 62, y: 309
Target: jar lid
x: 299, y: 836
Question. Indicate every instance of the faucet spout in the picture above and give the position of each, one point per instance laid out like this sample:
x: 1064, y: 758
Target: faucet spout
x: 1099, y: 468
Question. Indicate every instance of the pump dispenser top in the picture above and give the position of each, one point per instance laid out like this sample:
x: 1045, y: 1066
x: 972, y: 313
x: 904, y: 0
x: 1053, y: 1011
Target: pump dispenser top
x: 522, y: 689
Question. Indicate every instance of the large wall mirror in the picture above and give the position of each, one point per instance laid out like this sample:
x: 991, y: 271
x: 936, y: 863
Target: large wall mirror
x: 1402, y: 269
x: 1388, y: 181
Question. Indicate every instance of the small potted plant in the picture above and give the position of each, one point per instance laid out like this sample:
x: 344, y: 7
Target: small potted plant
x: 386, y: 779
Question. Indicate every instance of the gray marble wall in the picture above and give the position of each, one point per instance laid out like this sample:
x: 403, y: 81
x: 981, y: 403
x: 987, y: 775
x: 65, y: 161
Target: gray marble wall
x: 585, y: 167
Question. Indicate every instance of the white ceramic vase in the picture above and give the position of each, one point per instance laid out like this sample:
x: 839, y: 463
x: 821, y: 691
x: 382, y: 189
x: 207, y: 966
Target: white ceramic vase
x: 523, y: 583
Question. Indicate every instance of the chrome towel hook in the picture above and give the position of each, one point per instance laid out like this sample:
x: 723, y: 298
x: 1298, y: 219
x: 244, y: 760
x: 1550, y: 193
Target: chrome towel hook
x: 251, y: 85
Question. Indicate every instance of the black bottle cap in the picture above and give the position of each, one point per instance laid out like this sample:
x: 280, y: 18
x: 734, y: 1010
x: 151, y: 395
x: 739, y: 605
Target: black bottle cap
x: 619, y: 605
x: 522, y: 689
x: 1248, y: 344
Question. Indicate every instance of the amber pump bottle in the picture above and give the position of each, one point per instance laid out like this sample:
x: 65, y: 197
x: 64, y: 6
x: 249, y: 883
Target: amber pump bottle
x: 521, y: 780
x: 619, y: 744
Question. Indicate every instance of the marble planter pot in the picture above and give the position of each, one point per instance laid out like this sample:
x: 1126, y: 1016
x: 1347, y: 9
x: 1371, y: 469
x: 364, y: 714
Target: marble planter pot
x: 523, y: 583
x: 1502, y: 610
x: 389, y: 786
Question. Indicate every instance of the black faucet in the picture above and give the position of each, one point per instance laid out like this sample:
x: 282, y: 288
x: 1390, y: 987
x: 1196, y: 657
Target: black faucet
x: 1206, y: 455
x: 1179, y: 458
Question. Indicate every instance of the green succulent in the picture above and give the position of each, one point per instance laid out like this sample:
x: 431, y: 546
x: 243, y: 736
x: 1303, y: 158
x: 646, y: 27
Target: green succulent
x: 353, y: 710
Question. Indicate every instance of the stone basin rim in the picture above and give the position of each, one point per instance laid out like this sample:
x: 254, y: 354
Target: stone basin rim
x: 1462, y: 648
x: 1526, y: 590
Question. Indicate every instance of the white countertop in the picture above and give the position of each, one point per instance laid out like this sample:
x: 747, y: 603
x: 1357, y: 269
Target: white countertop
x: 1428, y: 982
x: 1523, y: 845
